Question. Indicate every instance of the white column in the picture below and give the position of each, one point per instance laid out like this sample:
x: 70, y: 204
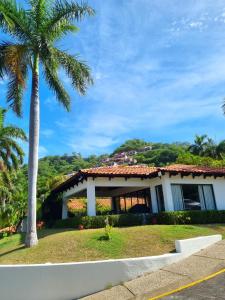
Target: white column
x: 154, y: 200
x: 91, y: 200
x: 64, y: 208
x: 167, y: 192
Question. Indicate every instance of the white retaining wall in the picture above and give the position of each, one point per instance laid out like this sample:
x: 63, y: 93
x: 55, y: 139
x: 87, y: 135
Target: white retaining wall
x: 69, y: 281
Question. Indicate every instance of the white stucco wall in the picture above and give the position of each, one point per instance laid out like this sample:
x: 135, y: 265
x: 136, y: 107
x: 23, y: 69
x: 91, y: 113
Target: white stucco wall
x: 73, y: 280
x: 217, y: 183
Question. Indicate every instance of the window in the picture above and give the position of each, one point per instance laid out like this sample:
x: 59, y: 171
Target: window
x: 160, y: 198
x: 193, y: 197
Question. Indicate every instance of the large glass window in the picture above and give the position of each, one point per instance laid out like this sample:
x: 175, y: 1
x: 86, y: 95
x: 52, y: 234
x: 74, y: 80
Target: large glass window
x: 193, y: 197
x: 160, y: 198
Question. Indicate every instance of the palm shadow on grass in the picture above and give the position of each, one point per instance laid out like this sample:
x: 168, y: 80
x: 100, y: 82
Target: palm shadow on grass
x: 12, y: 251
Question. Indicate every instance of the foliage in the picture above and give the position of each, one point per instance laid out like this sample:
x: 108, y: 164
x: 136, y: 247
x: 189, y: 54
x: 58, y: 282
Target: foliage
x: 107, y: 231
x: 190, y: 159
x: 205, y: 146
x: 99, y: 221
x: 133, y: 144
x: 160, y: 156
x: 36, y: 30
x: 11, y: 154
x: 191, y: 217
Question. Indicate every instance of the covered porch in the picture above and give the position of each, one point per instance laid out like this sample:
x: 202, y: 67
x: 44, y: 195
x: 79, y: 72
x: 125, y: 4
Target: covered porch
x: 124, y: 194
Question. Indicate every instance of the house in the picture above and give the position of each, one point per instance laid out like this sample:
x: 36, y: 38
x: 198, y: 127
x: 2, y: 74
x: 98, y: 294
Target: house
x: 170, y: 188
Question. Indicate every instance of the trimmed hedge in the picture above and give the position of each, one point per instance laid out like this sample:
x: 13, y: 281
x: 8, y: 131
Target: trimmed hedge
x: 99, y: 221
x: 190, y: 217
x: 126, y: 220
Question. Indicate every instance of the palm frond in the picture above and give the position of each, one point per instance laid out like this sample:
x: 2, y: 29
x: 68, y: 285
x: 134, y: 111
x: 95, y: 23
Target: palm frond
x: 60, y: 30
x: 2, y: 117
x: 15, y: 161
x: 14, y: 61
x: 69, y: 11
x: 14, y: 132
x: 15, y: 95
x: 76, y: 70
x: 55, y: 84
x: 14, y: 20
x: 5, y: 160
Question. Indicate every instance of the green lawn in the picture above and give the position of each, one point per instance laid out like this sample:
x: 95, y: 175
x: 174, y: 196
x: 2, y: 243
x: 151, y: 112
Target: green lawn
x: 73, y: 245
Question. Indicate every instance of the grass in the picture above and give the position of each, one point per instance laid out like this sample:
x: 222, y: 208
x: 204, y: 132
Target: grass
x: 73, y: 245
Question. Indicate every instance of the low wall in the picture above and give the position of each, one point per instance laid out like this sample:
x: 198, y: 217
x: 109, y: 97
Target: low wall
x: 69, y: 281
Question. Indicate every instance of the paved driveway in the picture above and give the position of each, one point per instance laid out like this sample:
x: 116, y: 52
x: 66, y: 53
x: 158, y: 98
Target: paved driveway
x: 211, y: 289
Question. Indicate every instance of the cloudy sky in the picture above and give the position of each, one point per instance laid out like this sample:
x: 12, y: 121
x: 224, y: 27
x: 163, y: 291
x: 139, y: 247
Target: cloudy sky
x: 159, y: 72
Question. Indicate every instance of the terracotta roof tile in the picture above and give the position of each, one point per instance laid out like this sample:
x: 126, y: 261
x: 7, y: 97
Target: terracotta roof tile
x: 138, y: 171
x: 120, y: 170
x: 194, y: 169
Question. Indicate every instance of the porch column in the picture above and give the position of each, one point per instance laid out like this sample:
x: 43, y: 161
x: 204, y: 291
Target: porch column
x: 113, y: 203
x: 167, y: 192
x: 91, y: 200
x: 154, y: 200
x: 64, y: 208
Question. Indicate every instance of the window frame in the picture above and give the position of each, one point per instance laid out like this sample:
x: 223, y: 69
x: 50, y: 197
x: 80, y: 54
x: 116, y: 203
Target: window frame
x: 207, y: 184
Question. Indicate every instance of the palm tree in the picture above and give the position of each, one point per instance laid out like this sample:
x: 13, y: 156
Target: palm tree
x: 11, y: 154
x: 220, y: 150
x: 210, y: 148
x: 36, y: 31
x: 199, y: 146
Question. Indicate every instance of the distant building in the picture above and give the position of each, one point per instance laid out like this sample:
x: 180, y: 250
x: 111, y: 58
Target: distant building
x: 124, y: 157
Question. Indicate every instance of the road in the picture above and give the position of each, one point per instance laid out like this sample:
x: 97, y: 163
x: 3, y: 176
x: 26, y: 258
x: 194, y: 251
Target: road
x: 213, y: 288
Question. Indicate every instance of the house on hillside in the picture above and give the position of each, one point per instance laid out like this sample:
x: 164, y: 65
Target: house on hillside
x: 171, y: 188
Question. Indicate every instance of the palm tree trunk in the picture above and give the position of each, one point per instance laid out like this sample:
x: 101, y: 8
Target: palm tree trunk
x: 31, y: 237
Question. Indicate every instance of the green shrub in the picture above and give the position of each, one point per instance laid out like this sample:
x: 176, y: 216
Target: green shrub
x: 93, y: 222
x: 67, y: 223
x: 99, y: 221
x: 191, y: 217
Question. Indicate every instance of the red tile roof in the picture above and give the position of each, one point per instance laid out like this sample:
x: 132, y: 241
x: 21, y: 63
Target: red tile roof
x: 138, y: 171
x: 179, y: 168
x: 121, y: 170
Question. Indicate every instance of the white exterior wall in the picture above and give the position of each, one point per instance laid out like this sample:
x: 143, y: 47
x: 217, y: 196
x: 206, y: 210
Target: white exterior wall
x: 217, y: 183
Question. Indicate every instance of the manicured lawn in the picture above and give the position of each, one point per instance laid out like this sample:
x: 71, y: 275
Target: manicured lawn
x: 72, y: 245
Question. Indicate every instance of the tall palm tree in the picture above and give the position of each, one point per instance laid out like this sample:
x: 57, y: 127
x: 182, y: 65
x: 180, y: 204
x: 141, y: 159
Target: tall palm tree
x: 36, y: 31
x: 11, y: 154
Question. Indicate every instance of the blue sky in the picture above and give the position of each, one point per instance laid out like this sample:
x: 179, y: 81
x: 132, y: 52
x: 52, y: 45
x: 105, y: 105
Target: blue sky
x: 159, y: 72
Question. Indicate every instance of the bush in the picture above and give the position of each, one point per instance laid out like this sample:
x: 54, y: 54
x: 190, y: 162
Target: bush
x: 190, y: 217
x: 99, y: 221
x: 67, y: 223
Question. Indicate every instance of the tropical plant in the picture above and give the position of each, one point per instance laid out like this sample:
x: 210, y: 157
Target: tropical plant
x: 199, y: 146
x: 220, y: 150
x: 36, y: 30
x: 11, y: 154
